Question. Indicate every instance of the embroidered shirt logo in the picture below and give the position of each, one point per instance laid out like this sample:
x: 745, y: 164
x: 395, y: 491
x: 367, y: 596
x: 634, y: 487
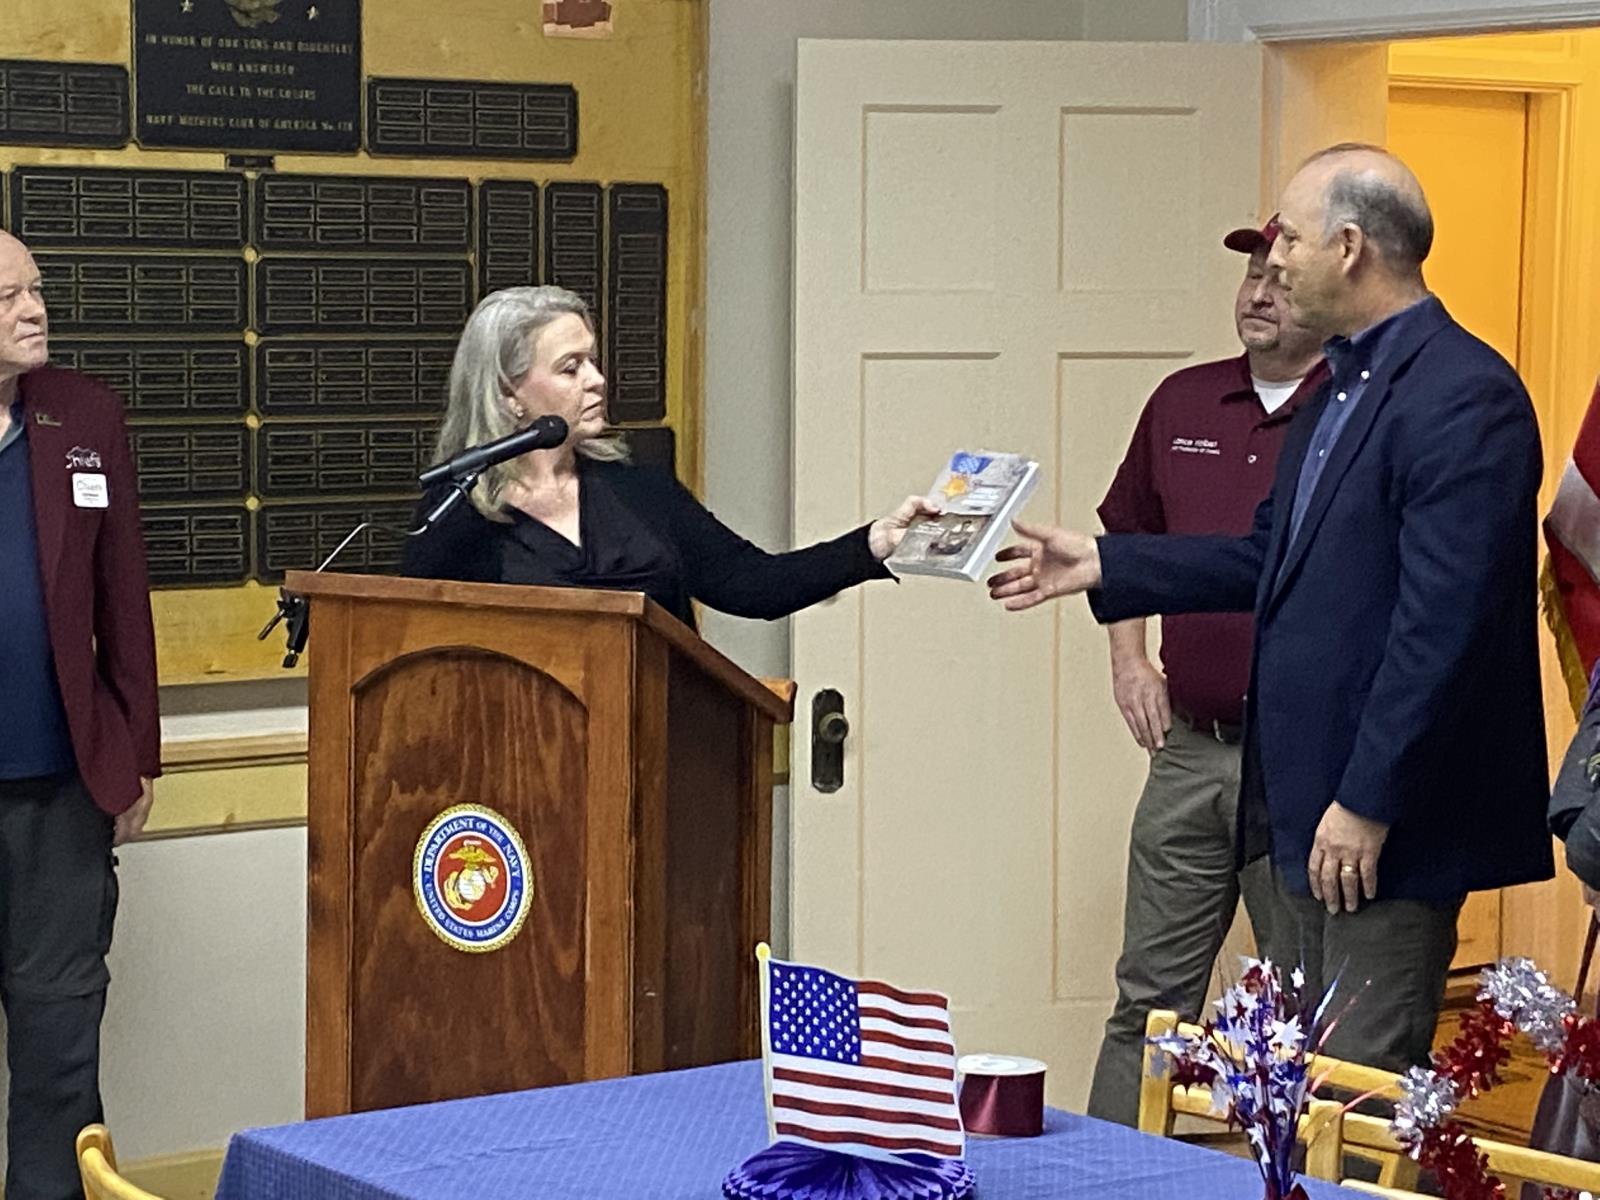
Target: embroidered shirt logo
x: 1184, y: 445
x: 81, y: 459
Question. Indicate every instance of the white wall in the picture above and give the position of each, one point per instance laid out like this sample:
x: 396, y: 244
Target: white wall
x: 205, y: 1020
x: 749, y: 193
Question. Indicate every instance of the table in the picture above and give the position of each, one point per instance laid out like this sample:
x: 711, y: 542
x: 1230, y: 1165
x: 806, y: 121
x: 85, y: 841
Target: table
x: 671, y: 1136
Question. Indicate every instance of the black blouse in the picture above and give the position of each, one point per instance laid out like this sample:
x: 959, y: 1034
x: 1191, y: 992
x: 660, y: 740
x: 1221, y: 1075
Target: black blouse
x: 640, y: 530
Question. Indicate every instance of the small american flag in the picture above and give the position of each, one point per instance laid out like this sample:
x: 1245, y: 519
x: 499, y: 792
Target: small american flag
x: 858, y: 1066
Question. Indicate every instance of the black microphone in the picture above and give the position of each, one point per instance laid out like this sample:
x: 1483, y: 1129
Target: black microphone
x: 544, y: 433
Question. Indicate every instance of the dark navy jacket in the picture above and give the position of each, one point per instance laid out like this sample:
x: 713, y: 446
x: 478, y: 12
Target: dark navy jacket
x: 1396, y: 664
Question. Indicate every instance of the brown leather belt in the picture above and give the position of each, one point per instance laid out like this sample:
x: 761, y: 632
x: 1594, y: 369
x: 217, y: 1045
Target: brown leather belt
x: 1228, y: 733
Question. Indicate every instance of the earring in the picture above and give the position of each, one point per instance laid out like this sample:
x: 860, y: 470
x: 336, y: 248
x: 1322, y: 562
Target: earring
x: 518, y: 411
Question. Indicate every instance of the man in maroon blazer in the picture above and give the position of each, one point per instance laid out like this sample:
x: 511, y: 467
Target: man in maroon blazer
x: 79, y: 733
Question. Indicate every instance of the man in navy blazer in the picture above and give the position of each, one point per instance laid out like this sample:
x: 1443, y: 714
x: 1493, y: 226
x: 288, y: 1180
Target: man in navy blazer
x: 78, y: 711
x: 1395, y: 755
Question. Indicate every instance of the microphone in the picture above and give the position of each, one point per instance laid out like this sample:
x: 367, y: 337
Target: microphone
x: 544, y: 433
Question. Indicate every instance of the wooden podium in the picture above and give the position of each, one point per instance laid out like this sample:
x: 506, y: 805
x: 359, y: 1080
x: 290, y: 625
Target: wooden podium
x: 635, y: 764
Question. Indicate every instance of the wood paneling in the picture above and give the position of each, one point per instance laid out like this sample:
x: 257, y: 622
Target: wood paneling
x: 458, y: 727
x: 710, y: 946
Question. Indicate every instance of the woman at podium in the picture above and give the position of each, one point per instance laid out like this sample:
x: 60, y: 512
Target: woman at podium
x: 580, y: 514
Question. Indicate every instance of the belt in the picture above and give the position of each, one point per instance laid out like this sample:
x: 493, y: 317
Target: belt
x: 1226, y: 732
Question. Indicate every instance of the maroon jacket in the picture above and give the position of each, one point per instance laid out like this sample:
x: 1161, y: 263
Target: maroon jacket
x: 96, y: 587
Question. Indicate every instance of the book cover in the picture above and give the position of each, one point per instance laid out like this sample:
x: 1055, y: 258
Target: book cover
x: 979, y: 492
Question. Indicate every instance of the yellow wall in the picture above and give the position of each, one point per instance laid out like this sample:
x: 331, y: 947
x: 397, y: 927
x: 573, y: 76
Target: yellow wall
x: 640, y: 97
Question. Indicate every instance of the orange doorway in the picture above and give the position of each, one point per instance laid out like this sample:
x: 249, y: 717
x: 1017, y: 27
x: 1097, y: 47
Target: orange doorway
x: 1469, y: 147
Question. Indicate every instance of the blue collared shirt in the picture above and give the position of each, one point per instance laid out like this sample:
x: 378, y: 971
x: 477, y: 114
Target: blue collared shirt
x: 1353, y: 362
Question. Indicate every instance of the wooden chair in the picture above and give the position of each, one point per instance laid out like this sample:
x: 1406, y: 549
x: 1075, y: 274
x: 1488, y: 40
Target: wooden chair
x: 1514, y: 1164
x: 1160, y: 1102
x: 97, y: 1165
x: 1376, y: 1189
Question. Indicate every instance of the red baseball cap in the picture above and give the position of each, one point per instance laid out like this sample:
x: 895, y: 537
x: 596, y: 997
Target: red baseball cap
x: 1248, y: 241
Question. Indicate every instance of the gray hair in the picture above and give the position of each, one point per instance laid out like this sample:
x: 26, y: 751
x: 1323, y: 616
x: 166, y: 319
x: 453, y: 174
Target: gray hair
x: 494, y: 354
x: 1392, y: 212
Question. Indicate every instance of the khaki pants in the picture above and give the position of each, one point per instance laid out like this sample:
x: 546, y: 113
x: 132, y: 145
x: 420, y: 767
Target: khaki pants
x: 1183, y: 889
x: 1391, y: 959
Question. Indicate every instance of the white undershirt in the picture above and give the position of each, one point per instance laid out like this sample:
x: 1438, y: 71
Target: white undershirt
x: 1274, y: 395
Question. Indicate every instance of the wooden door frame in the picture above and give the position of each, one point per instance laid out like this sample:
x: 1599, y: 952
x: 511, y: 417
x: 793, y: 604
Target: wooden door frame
x: 1552, y: 157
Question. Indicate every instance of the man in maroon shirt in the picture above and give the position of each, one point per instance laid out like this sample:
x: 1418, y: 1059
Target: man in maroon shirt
x: 1201, y: 459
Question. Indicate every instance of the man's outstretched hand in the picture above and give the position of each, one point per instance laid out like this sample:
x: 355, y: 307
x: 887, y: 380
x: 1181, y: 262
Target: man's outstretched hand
x: 1050, y: 563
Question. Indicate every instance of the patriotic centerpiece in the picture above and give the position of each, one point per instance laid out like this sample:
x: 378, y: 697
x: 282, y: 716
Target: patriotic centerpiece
x: 861, y: 1092
x: 1514, y: 996
x: 1253, y: 1058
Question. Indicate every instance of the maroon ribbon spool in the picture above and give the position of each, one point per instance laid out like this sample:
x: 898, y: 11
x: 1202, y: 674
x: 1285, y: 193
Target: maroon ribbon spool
x: 1001, y: 1095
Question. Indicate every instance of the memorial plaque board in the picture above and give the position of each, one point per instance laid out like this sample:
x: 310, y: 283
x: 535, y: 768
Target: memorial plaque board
x: 306, y: 378
x: 574, y: 253
x: 362, y: 295
x: 188, y: 547
x: 636, y: 301
x: 324, y: 458
x: 344, y: 213
x: 63, y: 104
x: 508, y: 234
x: 144, y: 293
x: 291, y: 536
x: 190, y: 462
x: 263, y: 75
x: 461, y: 118
x: 165, y: 378
x: 85, y: 206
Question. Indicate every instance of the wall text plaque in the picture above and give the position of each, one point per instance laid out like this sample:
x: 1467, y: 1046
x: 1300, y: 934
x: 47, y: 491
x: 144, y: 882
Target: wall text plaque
x: 270, y: 75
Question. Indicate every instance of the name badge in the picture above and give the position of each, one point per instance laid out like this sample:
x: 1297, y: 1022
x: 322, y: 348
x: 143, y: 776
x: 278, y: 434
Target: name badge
x: 89, y: 491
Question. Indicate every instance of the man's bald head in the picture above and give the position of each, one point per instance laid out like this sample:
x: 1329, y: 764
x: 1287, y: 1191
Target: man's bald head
x: 1353, y: 231
x: 1366, y: 186
x: 24, y: 342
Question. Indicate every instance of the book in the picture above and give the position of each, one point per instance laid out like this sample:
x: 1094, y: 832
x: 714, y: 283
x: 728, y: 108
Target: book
x: 978, y: 493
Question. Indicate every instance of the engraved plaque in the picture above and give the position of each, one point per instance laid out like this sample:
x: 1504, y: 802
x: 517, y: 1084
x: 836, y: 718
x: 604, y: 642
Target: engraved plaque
x: 268, y: 75
x: 508, y: 234
x: 362, y: 295
x: 460, y: 118
x: 82, y: 206
x: 63, y: 104
x: 636, y: 302
x: 143, y: 293
x: 343, y: 213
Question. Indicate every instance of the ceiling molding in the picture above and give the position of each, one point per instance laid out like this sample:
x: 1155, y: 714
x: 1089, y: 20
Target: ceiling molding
x: 1301, y: 20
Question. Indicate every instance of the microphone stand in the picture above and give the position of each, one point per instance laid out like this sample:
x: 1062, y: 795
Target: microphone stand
x: 293, y: 609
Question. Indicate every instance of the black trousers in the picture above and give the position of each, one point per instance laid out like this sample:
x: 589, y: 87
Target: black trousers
x: 58, y: 902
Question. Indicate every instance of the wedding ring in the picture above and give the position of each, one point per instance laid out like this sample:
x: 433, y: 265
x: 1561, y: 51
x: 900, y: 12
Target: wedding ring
x: 1347, y: 869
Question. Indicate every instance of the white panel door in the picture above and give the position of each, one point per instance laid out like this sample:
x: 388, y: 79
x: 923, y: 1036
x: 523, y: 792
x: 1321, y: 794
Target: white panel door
x: 1002, y: 245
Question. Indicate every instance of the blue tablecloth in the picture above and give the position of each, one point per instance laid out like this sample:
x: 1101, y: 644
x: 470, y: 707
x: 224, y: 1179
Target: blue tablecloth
x: 670, y: 1137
